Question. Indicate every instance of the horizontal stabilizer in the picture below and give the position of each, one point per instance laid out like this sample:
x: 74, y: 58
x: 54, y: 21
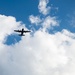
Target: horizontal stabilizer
x: 21, y: 35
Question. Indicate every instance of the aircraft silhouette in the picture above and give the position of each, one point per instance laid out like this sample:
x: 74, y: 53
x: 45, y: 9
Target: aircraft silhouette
x: 22, y: 32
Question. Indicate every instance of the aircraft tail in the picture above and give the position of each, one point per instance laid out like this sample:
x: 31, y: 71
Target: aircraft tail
x: 21, y: 35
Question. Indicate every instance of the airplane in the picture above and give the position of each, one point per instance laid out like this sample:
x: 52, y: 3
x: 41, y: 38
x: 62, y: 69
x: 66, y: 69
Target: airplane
x: 22, y: 32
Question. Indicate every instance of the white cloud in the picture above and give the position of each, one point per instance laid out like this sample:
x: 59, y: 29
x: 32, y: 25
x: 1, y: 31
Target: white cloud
x: 34, y: 19
x: 72, y: 22
x: 40, y: 54
x: 49, y: 22
x: 71, y: 19
x: 43, y: 8
x: 46, y: 22
x: 7, y: 25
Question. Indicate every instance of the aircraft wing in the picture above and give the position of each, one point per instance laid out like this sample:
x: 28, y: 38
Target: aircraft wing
x: 26, y: 31
x: 17, y: 30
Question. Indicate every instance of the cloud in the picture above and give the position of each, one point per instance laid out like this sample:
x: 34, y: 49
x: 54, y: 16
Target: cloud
x: 49, y: 22
x: 40, y: 54
x: 7, y: 25
x: 34, y: 19
x: 72, y: 21
x: 43, y: 8
x: 44, y: 22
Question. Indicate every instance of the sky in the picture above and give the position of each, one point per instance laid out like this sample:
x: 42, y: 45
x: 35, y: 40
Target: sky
x: 50, y: 47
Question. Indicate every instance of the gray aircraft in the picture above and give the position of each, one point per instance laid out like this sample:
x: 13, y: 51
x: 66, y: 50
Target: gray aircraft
x: 22, y: 32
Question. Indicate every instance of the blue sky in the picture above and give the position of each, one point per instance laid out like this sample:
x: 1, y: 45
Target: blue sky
x: 21, y: 9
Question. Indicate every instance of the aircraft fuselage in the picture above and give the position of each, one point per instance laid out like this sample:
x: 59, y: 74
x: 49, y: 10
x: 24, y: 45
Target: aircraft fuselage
x: 22, y: 32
